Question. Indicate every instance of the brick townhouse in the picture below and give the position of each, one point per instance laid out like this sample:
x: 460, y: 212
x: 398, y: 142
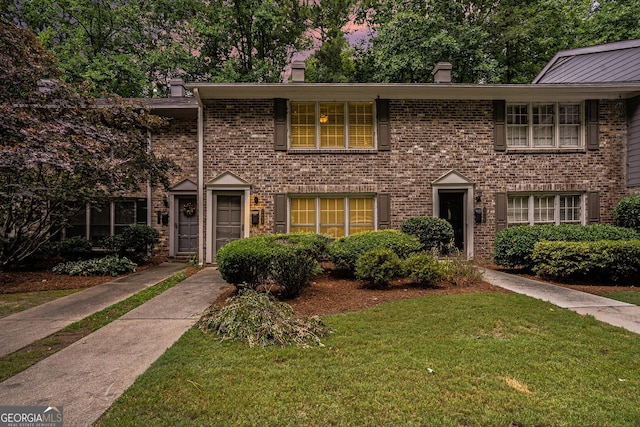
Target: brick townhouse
x: 343, y: 158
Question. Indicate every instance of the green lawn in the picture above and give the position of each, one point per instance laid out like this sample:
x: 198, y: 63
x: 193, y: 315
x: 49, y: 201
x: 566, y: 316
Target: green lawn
x: 13, y: 303
x: 474, y: 359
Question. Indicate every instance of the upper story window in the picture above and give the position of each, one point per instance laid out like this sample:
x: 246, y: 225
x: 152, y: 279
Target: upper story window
x: 332, y: 125
x: 538, y: 209
x: 544, y: 125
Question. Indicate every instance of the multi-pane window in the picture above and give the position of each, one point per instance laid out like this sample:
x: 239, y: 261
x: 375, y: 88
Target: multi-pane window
x: 544, y: 125
x: 530, y: 209
x: 332, y: 124
x: 331, y: 215
x: 107, y: 219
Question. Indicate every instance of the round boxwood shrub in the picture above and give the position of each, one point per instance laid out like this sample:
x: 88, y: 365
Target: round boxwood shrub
x: 627, y: 212
x: 246, y: 261
x: 378, y: 266
x: 423, y: 268
x: 433, y: 233
x: 136, y: 242
x: 345, y: 251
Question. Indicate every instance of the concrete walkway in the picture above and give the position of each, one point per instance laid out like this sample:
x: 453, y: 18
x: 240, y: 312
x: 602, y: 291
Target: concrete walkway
x: 89, y: 375
x: 615, y: 313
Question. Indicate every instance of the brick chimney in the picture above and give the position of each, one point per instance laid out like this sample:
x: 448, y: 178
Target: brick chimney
x: 297, y: 72
x: 442, y: 72
x: 176, y: 88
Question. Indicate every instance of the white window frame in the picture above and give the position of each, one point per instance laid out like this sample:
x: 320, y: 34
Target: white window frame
x: 532, y: 198
x: 346, y: 145
x: 530, y: 127
x: 345, y: 197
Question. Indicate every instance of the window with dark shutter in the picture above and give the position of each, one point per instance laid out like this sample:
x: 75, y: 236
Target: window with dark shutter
x: 384, y: 211
x: 384, y: 129
x: 280, y: 214
x: 501, y: 211
x: 594, y: 207
x: 593, y: 130
x: 280, y: 122
x: 499, y: 125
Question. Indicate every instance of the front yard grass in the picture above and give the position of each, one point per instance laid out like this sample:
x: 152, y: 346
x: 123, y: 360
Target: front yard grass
x: 632, y: 297
x: 465, y: 359
x: 13, y: 303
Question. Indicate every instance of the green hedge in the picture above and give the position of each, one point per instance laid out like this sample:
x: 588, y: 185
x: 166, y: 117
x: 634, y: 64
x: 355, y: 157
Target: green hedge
x: 378, y: 266
x: 433, y: 233
x: 288, y: 259
x: 606, y: 259
x: 514, y: 245
x: 345, y: 251
x: 627, y: 212
x: 136, y: 242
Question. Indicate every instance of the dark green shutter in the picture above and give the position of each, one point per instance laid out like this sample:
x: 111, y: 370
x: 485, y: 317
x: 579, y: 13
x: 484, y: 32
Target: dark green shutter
x: 280, y: 121
x: 594, y: 207
x: 280, y: 214
x: 593, y: 130
x: 499, y: 125
x: 384, y: 211
x: 501, y: 211
x: 383, y: 129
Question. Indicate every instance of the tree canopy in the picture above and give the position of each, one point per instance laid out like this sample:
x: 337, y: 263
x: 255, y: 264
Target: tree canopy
x: 59, y: 150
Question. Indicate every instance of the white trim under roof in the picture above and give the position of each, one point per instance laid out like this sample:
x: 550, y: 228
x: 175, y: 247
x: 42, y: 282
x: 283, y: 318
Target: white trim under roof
x: 342, y: 91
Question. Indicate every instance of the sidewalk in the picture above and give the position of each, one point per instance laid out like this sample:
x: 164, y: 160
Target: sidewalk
x: 89, y: 375
x: 606, y: 310
x: 23, y: 328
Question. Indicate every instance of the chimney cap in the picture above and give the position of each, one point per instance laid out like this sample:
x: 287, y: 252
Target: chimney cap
x: 177, y: 88
x: 297, y: 71
x: 442, y: 72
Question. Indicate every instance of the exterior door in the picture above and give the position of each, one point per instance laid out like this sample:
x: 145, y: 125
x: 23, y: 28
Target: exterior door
x: 452, y: 209
x: 228, y: 219
x: 187, y: 225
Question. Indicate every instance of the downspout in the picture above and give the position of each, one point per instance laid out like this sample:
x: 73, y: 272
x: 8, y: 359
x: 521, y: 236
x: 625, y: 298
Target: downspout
x: 149, y: 194
x: 201, y: 238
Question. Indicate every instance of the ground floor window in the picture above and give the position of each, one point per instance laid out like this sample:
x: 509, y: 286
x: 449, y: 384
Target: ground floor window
x: 108, y: 219
x: 336, y: 216
x: 530, y: 209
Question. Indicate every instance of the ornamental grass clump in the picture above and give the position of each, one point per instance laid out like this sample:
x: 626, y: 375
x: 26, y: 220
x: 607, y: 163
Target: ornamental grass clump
x: 259, y: 320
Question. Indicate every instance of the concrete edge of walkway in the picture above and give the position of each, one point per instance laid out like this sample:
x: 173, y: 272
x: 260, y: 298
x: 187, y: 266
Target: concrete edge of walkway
x: 616, y: 313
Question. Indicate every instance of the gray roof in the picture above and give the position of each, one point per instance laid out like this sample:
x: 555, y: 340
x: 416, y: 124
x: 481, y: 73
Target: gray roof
x: 617, y: 62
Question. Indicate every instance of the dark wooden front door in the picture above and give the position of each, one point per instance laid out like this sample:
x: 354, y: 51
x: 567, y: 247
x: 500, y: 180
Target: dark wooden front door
x: 228, y: 219
x: 452, y: 209
x: 187, y: 225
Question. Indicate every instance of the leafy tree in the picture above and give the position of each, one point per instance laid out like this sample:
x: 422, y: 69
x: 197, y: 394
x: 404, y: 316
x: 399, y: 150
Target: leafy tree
x: 249, y: 40
x: 58, y: 149
x: 611, y: 21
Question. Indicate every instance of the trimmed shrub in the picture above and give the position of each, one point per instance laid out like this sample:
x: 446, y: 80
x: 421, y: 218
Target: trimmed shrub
x: 378, y: 266
x: 433, y: 233
x: 111, y: 265
x: 135, y: 242
x: 604, y: 259
x: 246, y: 261
x: 288, y: 259
x: 514, y: 245
x: 627, y: 212
x: 345, y: 252
x: 258, y: 319
x: 292, y: 267
x: 423, y: 268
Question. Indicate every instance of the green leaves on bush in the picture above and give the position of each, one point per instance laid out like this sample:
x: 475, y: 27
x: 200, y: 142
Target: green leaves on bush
x: 627, y: 212
x: 345, y: 252
x: 258, y: 319
x: 288, y: 259
x: 135, y: 242
x: 433, y: 233
x: 423, y: 268
x: 378, y: 266
x: 605, y: 259
x: 111, y: 265
x: 514, y: 245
